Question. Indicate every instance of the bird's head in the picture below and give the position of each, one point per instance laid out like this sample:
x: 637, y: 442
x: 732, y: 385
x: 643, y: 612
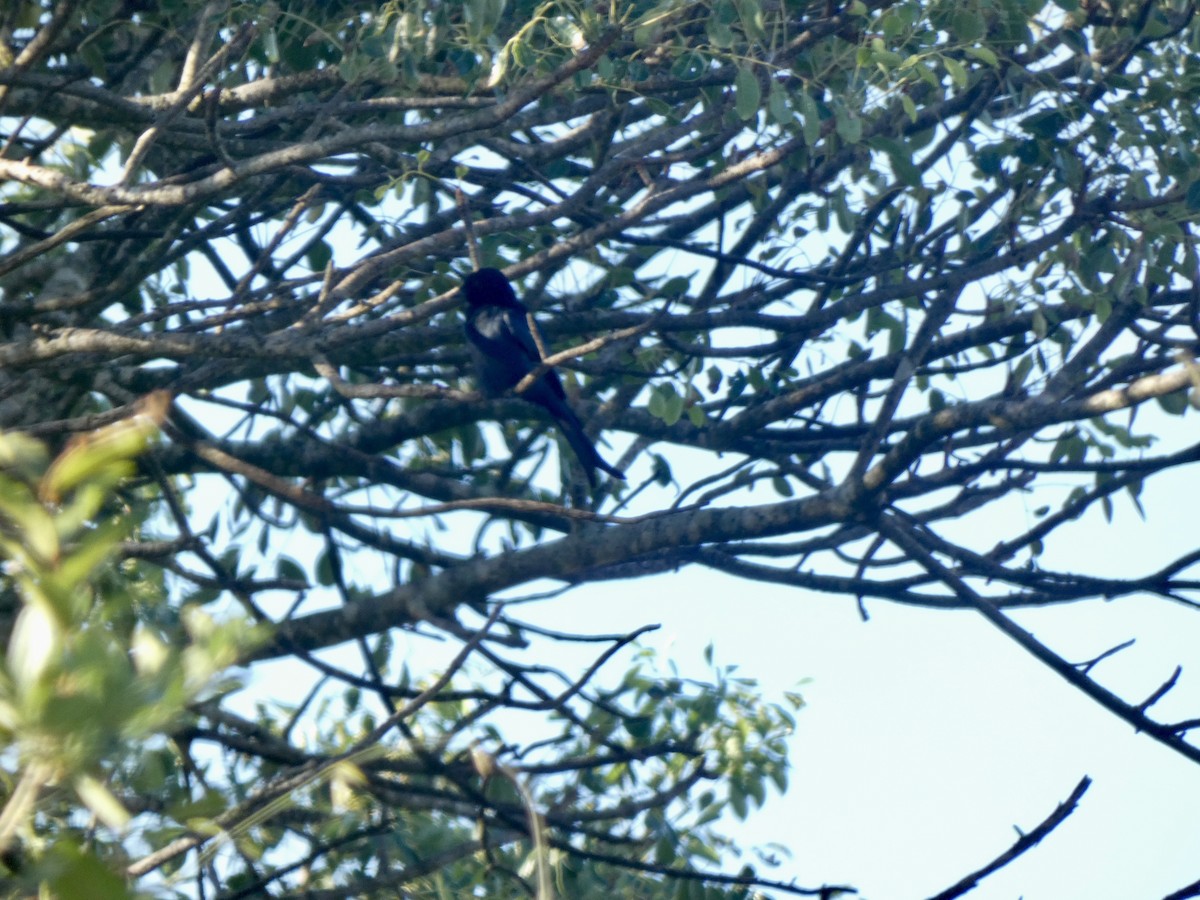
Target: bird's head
x: 489, y: 287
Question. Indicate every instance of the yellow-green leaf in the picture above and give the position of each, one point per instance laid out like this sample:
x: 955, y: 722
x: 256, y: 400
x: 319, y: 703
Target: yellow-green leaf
x: 958, y: 74
x: 100, y: 800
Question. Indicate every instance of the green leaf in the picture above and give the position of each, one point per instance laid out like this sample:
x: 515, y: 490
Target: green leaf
x: 100, y: 800
x: 35, y: 644
x: 112, y: 448
x: 984, y: 55
x: 1175, y: 403
x: 38, y: 543
x: 849, y: 127
x: 690, y: 66
x: 900, y: 158
x: 811, y: 118
x: 620, y: 276
x: 324, y: 569
x: 738, y: 801
x: 967, y: 25
x: 675, y: 287
x: 1135, y: 490
x: 751, y: 15
x: 666, y: 403
x: 319, y: 255
x: 93, y: 550
x: 639, y: 727
x: 270, y: 45
x: 957, y: 73
x: 720, y: 35
x: 1192, y: 198
x: 1024, y: 366
x: 656, y: 406
x: 747, y: 93
x: 290, y: 569
x: 21, y: 455
x: 1045, y: 124
x: 777, y: 104
x: 75, y: 873
x: 1039, y: 324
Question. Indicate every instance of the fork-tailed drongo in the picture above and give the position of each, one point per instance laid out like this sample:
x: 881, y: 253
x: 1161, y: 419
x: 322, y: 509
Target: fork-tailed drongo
x: 504, y: 352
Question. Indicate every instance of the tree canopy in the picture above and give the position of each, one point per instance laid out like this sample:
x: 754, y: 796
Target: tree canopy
x: 840, y: 284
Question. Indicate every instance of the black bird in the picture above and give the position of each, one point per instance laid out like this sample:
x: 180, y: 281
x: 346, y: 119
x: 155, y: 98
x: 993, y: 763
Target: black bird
x: 504, y: 352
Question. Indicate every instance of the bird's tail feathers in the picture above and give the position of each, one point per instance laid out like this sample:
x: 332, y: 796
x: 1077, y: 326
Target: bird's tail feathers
x: 585, y: 450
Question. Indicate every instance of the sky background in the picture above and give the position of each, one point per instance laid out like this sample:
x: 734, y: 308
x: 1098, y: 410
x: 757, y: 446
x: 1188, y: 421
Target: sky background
x: 929, y: 736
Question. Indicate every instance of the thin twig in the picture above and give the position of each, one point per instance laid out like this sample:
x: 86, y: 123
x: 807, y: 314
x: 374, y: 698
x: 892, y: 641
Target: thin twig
x: 1087, y: 666
x: 464, y: 210
x: 1024, y: 843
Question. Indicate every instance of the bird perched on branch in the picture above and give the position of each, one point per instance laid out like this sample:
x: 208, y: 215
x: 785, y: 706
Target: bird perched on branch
x: 504, y: 352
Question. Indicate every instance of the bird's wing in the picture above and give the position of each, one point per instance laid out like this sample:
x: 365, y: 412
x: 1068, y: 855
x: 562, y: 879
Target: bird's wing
x: 516, y: 326
x: 504, y: 338
x: 520, y: 326
x: 503, y: 333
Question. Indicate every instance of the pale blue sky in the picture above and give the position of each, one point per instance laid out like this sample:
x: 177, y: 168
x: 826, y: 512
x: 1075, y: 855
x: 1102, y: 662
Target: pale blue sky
x: 929, y: 735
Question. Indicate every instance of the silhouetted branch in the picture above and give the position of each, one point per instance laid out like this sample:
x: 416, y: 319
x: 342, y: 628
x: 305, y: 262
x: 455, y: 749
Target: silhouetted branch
x: 1025, y: 843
